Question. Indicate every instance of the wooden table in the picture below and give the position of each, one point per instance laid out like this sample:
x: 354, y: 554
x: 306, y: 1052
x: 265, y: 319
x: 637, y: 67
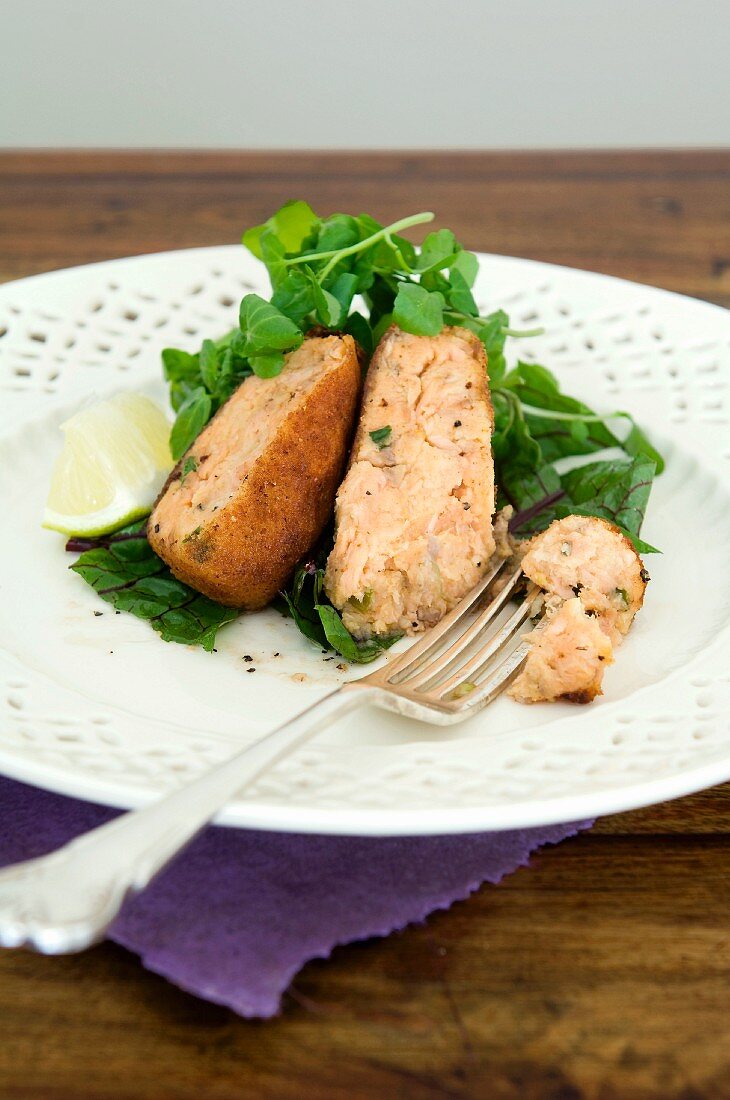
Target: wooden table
x: 599, y: 972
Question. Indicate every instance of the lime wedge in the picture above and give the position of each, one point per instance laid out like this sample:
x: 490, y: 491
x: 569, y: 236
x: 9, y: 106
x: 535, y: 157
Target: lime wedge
x: 115, y: 459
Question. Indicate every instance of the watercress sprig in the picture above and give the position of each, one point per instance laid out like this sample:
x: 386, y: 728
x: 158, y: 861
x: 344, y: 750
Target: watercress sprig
x: 317, y: 267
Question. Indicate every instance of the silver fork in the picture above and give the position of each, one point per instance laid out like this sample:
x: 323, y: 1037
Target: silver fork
x: 65, y: 901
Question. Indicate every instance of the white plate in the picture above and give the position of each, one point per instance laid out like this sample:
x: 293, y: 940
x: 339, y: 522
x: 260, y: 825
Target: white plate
x: 99, y: 707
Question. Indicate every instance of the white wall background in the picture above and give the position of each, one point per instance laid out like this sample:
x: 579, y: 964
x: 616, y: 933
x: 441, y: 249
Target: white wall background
x: 365, y: 73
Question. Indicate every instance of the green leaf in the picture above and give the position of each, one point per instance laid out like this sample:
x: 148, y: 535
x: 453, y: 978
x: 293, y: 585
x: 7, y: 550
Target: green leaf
x: 312, y: 630
x: 524, y: 489
x: 490, y: 330
x: 294, y: 296
x: 360, y: 330
x: 189, y: 466
x: 344, y: 289
x: 179, y: 364
x: 231, y: 373
x: 338, y: 231
x: 620, y: 489
x: 192, y: 417
x: 182, y: 371
x: 539, y: 379
x: 436, y: 280
x: 381, y: 437
x: 292, y: 223
x: 393, y: 253
x: 617, y: 491
x: 327, y: 308
x: 266, y: 328
x: 467, y: 266
x: 225, y: 341
x: 640, y: 546
x: 512, y: 440
x: 636, y: 443
x: 305, y: 602
x: 439, y: 250
x: 559, y: 439
x: 368, y: 226
x: 578, y: 431
x: 363, y: 271
x: 127, y: 574
x: 365, y: 603
x: 209, y: 365
x: 381, y: 328
x: 523, y: 477
x: 267, y: 366
x: 536, y: 387
x: 459, y: 296
x: 381, y: 299
x: 273, y: 253
x: 419, y: 311
x: 298, y: 602
x: 340, y: 638
x: 251, y: 239
x: 330, y: 311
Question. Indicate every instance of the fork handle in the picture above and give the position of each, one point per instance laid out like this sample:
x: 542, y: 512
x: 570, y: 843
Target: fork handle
x: 65, y: 901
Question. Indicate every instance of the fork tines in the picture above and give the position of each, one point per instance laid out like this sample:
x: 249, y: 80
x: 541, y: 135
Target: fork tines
x: 473, y: 653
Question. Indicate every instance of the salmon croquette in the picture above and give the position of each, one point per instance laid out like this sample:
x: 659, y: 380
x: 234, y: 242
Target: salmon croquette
x: 591, y: 558
x: 568, y: 654
x: 413, y: 517
x: 256, y: 489
x: 595, y: 582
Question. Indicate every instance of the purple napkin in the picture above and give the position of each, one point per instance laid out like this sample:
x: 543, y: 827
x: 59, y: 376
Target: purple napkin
x: 240, y: 912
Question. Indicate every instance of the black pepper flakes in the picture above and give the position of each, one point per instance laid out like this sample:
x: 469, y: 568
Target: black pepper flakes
x: 251, y: 669
x: 466, y: 505
x: 277, y: 654
x: 157, y: 527
x: 98, y: 613
x: 342, y: 668
x: 248, y: 657
x: 457, y: 423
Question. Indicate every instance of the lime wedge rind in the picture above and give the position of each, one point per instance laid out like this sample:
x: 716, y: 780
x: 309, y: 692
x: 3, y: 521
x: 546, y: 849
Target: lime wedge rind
x: 114, y: 462
x: 105, y: 522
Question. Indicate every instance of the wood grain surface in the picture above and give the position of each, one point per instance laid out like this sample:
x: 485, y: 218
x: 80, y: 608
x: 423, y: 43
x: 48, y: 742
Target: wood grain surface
x: 599, y: 972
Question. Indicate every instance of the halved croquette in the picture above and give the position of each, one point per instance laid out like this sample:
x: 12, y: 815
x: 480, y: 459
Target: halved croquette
x: 256, y: 489
x: 413, y: 518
